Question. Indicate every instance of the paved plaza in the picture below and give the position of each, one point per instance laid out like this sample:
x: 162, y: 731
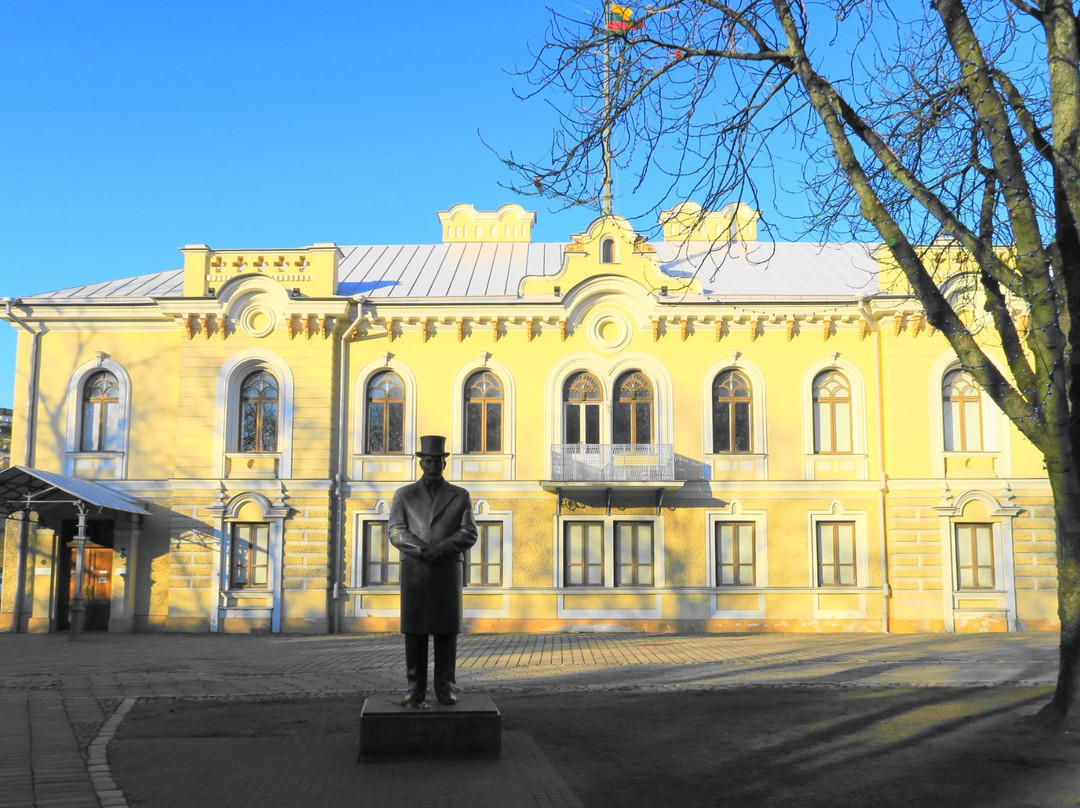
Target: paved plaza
x: 63, y: 705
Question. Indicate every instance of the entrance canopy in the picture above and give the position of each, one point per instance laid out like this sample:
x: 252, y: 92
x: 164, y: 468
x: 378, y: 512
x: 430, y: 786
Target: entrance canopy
x: 23, y: 488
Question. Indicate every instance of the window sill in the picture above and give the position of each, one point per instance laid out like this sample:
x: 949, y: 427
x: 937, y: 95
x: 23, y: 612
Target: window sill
x: 392, y: 467
x: 838, y: 466
x: 735, y: 465
x: 96, y: 465
x: 482, y: 467
x: 972, y: 464
x: 252, y: 465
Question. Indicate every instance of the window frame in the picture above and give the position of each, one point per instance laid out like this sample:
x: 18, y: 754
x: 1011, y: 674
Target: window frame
x: 736, y: 565
x: 391, y: 555
x: 483, y: 527
x: 250, y: 566
x: 386, y: 404
x: 227, y: 413
x: 566, y: 554
x: 636, y: 526
x: 101, y: 427
x: 582, y: 405
x: 617, y: 401
x: 834, y: 553
x: 97, y: 464
x: 831, y: 402
x: 606, y: 525
x: 260, y: 415
x: 975, y: 567
x: 731, y: 402
x: 484, y: 401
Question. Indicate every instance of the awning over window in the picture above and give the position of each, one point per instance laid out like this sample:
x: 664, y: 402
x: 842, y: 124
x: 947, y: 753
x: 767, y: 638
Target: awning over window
x: 23, y: 488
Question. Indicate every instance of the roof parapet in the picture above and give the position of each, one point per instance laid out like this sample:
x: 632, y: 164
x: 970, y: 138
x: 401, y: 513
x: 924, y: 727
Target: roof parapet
x: 687, y: 221
x: 464, y: 224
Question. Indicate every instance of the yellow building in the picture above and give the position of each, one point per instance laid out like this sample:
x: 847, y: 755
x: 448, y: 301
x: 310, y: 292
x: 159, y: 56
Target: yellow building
x: 703, y: 433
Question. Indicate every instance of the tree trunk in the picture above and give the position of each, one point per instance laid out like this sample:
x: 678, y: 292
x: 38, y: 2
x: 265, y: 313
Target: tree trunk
x: 1066, y: 488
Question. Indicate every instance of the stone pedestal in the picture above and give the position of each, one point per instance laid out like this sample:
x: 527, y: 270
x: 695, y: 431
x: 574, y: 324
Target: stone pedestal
x: 472, y: 728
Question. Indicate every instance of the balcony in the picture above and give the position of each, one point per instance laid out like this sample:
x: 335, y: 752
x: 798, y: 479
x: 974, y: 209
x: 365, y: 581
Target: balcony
x: 599, y: 474
x: 613, y: 462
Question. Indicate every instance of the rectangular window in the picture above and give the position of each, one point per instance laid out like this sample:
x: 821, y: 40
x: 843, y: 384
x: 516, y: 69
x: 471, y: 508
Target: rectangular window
x: 584, y: 554
x: 735, y: 548
x: 836, y: 553
x: 382, y: 564
x: 975, y: 556
x: 483, y: 563
x: 633, y: 554
x: 249, y: 566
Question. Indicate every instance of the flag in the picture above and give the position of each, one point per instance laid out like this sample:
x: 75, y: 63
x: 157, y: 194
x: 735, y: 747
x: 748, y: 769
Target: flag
x: 621, y: 18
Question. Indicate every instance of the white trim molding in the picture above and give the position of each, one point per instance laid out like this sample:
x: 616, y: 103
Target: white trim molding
x: 97, y: 465
x: 227, y: 400
x: 857, y: 459
x: 978, y: 506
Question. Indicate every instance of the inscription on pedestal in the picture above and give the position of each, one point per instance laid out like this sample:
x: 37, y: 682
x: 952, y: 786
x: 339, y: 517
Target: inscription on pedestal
x: 470, y: 729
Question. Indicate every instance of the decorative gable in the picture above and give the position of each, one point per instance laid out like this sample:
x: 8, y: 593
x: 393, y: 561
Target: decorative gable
x: 612, y: 251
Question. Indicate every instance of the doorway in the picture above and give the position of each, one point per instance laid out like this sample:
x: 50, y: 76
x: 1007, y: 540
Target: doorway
x: 97, y: 575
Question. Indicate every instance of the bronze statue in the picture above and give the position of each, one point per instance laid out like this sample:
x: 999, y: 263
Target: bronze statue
x: 431, y: 524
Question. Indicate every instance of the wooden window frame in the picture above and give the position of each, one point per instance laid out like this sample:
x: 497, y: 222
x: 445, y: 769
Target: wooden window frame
x: 580, y: 400
x: 260, y: 400
x: 975, y: 567
x: 722, y: 380
x: 737, y: 565
x: 634, y: 565
x: 484, y: 399
x: 250, y: 567
x: 384, y: 403
x: 832, y: 527
x: 584, y: 566
x: 389, y: 553
x: 104, y: 401
x: 632, y: 403
x: 955, y: 399
x: 483, y: 541
x: 831, y: 401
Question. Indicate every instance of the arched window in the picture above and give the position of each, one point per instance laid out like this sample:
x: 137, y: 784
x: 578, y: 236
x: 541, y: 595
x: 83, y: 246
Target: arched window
x: 581, y: 409
x: 607, y: 251
x: 832, y: 413
x: 101, y: 414
x: 483, y: 413
x: 632, y: 414
x: 731, y: 412
x: 962, y: 412
x: 258, y: 413
x: 385, y: 414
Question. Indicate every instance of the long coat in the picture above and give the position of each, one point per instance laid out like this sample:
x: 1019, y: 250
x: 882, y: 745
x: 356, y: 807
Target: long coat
x: 439, y: 529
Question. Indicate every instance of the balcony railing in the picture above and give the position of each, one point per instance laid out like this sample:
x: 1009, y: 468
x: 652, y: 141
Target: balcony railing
x: 613, y: 462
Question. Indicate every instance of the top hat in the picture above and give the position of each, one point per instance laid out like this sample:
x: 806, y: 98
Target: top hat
x: 432, y: 445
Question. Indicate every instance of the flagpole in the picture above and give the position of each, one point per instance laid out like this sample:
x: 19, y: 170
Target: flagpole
x: 605, y: 138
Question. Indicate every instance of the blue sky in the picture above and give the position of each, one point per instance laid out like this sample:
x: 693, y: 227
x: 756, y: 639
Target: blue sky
x: 133, y: 128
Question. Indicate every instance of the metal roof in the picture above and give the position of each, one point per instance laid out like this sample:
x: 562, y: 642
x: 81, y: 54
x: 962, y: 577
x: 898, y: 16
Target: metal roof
x: 25, y: 488
x: 411, y: 271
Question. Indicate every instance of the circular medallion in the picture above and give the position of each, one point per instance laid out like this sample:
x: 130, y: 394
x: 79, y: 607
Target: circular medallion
x: 259, y: 321
x: 609, y: 331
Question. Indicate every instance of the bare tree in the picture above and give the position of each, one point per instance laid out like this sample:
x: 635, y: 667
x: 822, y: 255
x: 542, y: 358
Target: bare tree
x: 960, y: 125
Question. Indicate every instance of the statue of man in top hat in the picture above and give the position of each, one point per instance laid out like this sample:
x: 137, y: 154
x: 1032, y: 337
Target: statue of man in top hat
x: 431, y: 524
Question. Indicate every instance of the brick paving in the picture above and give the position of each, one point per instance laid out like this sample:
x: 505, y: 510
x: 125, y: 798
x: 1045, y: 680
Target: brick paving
x: 61, y: 702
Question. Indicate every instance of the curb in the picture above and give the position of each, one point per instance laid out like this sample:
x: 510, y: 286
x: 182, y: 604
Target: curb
x: 97, y: 762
